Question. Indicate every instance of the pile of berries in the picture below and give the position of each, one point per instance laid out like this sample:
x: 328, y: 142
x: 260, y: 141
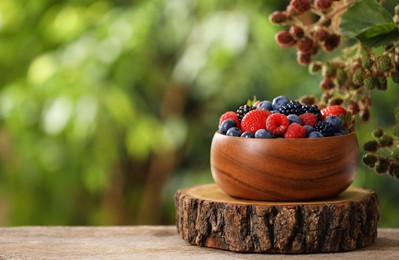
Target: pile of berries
x: 283, y: 118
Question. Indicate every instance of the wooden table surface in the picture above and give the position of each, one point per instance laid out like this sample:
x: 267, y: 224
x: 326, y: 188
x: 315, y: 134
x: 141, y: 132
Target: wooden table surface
x: 147, y: 242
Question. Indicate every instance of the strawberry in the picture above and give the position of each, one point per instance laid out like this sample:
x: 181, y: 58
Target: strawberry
x: 334, y: 110
x: 308, y: 119
x: 230, y: 115
x: 254, y: 120
x: 295, y: 130
x: 277, y: 124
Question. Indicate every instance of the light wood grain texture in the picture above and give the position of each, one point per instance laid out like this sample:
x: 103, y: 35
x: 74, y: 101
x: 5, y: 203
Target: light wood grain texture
x: 206, y: 216
x: 284, y: 169
x: 148, y: 242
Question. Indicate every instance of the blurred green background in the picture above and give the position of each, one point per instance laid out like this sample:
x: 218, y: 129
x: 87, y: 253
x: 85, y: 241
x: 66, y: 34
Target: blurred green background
x: 108, y: 107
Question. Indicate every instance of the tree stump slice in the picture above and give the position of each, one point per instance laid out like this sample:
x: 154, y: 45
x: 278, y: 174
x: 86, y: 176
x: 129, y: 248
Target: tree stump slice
x: 206, y: 216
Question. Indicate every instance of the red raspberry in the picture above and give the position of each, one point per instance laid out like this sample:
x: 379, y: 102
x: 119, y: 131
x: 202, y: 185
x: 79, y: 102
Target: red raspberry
x: 308, y: 119
x: 255, y: 120
x: 277, y: 124
x: 295, y: 130
x: 300, y: 6
x: 332, y: 111
x: 230, y: 115
x: 285, y: 39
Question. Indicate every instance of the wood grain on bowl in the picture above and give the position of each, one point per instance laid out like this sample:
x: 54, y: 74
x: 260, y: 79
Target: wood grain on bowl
x: 284, y: 169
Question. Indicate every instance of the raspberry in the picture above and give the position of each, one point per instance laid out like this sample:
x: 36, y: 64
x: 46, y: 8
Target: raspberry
x: 295, y: 130
x: 277, y: 124
x: 308, y: 119
x: 278, y: 17
x: 305, y: 45
x: 297, y: 32
x: 332, y: 111
x: 285, y: 39
x: 322, y: 4
x: 255, y: 120
x: 230, y: 115
x: 300, y: 6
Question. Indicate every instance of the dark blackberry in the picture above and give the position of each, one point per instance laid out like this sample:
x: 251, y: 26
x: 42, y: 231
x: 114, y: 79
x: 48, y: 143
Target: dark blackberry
x: 243, y: 110
x: 292, y: 107
x: 325, y: 128
x: 312, y: 109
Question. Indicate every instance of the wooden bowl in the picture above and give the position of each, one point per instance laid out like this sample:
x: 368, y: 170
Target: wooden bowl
x: 284, y: 169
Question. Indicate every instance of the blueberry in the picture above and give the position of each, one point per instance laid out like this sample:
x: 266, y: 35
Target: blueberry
x: 315, y: 134
x: 248, y: 134
x: 279, y: 101
x: 266, y: 105
x: 263, y: 133
x: 294, y: 119
x: 335, y: 121
x: 340, y: 131
x: 225, y: 125
x: 309, y: 129
x: 234, y: 131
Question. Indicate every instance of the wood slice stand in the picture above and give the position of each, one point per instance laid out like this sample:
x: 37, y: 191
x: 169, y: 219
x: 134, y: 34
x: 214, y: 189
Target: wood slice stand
x: 206, y: 216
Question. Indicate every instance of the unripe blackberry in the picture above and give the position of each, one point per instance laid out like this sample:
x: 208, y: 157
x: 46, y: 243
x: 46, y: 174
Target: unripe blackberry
x: 297, y: 32
x: 365, y: 115
x: 382, y: 166
x: 284, y: 39
x: 303, y: 58
x: 327, y: 84
x: 370, y: 146
x: 382, y: 83
x: 367, y: 62
x: 386, y: 140
x: 358, y: 76
x: 321, y: 34
x: 335, y: 101
x: 383, y: 64
x: 331, y: 42
x: 314, y: 67
x: 278, y: 17
x: 341, y: 74
x: 328, y: 70
x: 300, y: 6
x: 305, y: 45
x: 395, y: 153
x: 377, y: 133
x: 322, y: 4
x: 354, y: 107
x: 370, y: 83
x: 397, y: 10
x: 370, y: 160
x: 394, y: 170
x: 395, y: 77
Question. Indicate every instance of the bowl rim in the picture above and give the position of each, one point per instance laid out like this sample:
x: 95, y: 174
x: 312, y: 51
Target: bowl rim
x: 279, y: 139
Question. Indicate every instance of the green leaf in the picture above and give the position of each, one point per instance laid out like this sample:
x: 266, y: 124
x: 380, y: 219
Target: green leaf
x: 366, y: 18
x: 380, y: 40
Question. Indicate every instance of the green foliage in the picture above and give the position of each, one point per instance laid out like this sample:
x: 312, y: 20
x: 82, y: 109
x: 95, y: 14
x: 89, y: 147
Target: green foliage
x: 107, y: 108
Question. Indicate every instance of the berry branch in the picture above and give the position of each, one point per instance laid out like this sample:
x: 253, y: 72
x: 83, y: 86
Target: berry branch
x: 349, y: 77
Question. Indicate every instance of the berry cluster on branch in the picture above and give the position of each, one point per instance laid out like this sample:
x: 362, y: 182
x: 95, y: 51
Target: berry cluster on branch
x: 312, y: 26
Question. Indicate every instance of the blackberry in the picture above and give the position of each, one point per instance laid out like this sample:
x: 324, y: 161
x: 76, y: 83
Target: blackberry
x: 312, y: 109
x: 243, y: 110
x: 292, y: 107
x: 324, y: 128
